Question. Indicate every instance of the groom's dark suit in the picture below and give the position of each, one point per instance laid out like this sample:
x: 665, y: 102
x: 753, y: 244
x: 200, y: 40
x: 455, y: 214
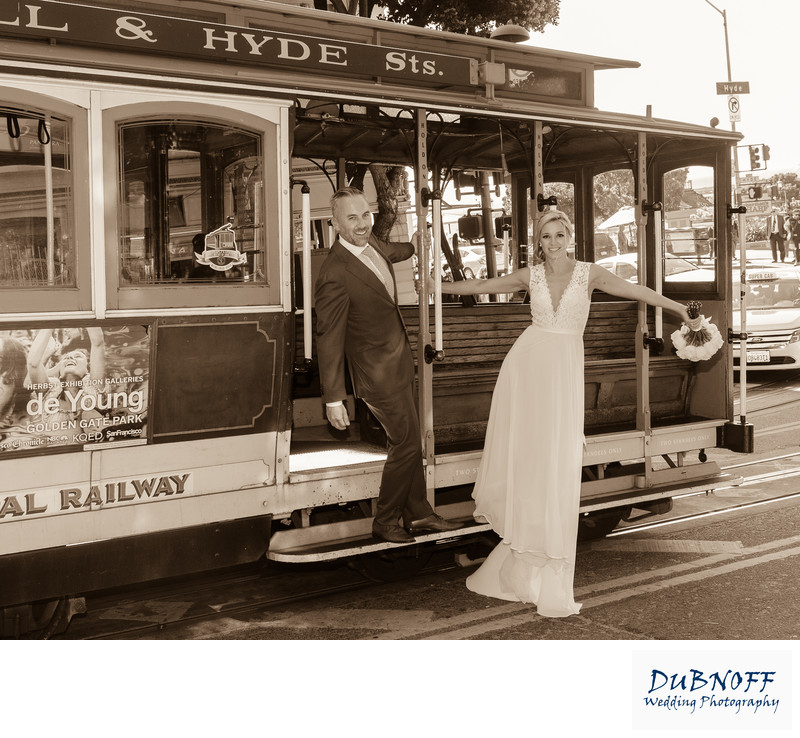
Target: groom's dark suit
x: 357, y: 319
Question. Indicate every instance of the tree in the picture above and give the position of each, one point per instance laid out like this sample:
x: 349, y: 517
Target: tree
x: 613, y: 191
x: 784, y: 188
x: 471, y: 17
x: 674, y: 187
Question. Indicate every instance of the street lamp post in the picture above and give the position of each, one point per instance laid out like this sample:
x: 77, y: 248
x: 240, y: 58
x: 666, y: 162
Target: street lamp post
x: 727, y: 47
x: 733, y: 124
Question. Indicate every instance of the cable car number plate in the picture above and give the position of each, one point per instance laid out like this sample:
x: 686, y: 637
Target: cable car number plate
x: 758, y: 357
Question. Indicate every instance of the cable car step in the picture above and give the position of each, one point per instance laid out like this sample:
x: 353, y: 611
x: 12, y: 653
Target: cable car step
x: 636, y: 496
x: 357, y: 545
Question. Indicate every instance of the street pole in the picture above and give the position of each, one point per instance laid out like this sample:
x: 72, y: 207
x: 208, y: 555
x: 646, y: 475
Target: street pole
x: 742, y: 250
x: 733, y: 124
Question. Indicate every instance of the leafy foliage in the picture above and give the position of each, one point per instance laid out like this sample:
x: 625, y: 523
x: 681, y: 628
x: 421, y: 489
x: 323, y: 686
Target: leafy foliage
x: 473, y: 17
x: 674, y: 187
x: 612, y: 191
x: 788, y: 188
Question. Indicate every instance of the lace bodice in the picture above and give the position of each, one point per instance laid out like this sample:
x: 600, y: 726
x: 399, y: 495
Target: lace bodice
x: 572, y: 311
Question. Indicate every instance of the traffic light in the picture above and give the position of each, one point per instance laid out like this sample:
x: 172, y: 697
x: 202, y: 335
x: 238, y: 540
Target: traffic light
x: 755, y: 157
x: 765, y: 152
x: 754, y: 192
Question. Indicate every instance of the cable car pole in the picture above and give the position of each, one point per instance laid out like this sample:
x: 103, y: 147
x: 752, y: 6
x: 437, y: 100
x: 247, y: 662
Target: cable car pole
x: 742, y: 228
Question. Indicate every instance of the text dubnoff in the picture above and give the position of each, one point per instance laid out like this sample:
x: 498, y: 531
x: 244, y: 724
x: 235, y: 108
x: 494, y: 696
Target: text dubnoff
x: 697, y: 690
x: 745, y: 690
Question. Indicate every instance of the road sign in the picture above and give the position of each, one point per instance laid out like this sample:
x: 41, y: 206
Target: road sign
x: 733, y: 88
x: 758, y: 207
x: 734, y: 109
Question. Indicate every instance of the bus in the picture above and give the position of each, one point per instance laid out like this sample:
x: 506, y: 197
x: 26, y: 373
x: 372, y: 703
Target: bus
x: 164, y: 188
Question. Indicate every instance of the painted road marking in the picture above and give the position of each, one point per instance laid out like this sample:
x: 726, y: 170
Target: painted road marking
x: 641, y: 544
x: 671, y: 575
x: 526, y: 618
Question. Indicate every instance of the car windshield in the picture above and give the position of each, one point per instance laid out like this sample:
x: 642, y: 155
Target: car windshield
x: 770, y: 295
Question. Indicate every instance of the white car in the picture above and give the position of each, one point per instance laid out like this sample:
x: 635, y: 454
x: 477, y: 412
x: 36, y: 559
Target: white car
x: 676, y: 269
x: 474, y: 260
x: 773, y: 318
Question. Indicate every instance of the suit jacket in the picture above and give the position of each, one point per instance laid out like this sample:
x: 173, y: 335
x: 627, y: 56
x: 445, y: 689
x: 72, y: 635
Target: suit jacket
x: 778, y: 229
x: 357, y: 319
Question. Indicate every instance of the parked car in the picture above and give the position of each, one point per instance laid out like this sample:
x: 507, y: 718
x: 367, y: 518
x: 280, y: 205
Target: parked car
x: 773, y: 318
x: 675, y: 269
x: 474, y: 260
x: 604, y: 245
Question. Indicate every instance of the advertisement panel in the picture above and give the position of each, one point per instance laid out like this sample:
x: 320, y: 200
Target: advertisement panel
x: 76, y: 386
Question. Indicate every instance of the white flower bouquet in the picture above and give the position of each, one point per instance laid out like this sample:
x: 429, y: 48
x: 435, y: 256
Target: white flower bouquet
x: 699, y: 339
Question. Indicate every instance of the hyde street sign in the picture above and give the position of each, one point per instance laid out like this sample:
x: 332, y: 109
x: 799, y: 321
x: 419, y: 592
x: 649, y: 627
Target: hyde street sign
x: 733, y: 88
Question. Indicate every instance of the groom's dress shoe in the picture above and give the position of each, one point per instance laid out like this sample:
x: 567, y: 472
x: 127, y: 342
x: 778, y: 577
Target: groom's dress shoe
x: 391, y: 533
x: 432, y: 522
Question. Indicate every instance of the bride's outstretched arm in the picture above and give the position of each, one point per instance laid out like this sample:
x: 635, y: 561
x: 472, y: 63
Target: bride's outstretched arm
x: 512, y: 282
x: 604, y: 280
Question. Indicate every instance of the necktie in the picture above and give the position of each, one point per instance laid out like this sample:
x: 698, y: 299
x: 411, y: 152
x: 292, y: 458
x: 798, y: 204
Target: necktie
x: 382, y: 267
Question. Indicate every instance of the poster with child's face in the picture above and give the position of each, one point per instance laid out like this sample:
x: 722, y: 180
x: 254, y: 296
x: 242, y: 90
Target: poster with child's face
x: 73, y: 386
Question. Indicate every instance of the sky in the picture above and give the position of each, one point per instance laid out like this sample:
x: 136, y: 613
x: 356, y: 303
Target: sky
x: 680, y: 45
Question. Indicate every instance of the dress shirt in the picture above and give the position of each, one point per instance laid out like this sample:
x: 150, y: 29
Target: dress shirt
x: 361, y: 254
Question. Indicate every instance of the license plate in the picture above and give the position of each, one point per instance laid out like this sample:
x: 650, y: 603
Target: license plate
x: 758, y: 357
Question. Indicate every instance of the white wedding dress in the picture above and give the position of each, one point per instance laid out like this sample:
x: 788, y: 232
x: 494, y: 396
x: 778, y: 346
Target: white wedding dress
x: 528, y: 485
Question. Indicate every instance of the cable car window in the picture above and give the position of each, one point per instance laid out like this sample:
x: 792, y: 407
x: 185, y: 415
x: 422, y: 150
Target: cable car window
x: 37, y: 240
x: 191, y: 204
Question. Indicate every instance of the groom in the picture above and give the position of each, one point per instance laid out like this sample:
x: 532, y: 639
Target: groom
x: 358, y: 319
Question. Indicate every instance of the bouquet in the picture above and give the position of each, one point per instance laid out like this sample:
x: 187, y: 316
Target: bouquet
x: 699, y: 339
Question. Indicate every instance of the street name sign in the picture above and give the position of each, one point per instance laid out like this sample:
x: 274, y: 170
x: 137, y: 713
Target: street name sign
x: 733, y: 88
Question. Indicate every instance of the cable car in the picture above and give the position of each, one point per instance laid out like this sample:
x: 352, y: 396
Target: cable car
x: 164, y: 188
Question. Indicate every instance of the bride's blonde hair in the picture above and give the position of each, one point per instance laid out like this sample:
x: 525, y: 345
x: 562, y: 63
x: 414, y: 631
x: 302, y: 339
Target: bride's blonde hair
x: 549, y: 217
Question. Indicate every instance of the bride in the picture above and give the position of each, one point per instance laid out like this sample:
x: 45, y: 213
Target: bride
x: 528, y: 485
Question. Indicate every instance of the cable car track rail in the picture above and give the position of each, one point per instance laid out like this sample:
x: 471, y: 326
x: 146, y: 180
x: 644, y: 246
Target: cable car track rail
x: 771, y: 476
x: 221, y: 583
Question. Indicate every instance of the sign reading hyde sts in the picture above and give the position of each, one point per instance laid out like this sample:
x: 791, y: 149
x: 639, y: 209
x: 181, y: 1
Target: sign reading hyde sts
x: 176, y: 36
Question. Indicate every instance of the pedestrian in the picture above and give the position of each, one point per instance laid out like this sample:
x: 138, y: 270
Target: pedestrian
x: 792, y: 228
x: 358, y: 320
x: 622, y: 240
x: 529, y: 480
x: 775, y: 228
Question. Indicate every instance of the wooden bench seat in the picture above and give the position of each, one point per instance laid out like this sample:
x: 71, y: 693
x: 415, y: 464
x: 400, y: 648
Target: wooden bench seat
x: 477, y: 339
